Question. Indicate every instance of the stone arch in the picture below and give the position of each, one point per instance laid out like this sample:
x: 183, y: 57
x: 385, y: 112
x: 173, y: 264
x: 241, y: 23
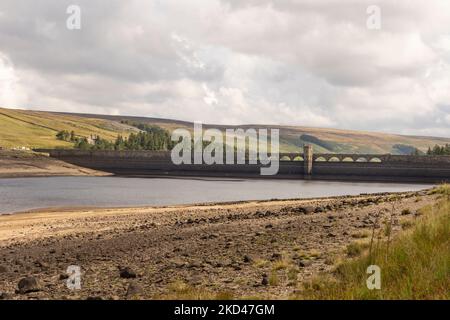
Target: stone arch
x: 348, y: 159
x: 285, y: 158
x: 361, y: 159
x: 334, y: 159
x: 320, y: 159
x: 375, y: 159
x: 299, y: 158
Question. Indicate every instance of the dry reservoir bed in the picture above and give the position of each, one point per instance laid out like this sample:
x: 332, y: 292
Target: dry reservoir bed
x: 263, y: 249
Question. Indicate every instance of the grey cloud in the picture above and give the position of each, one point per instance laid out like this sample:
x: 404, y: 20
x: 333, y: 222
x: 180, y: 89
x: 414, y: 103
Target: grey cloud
x: 310, y: 62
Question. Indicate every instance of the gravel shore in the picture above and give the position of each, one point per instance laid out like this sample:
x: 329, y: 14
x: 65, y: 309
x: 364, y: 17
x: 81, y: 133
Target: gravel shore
x: 263, y: 249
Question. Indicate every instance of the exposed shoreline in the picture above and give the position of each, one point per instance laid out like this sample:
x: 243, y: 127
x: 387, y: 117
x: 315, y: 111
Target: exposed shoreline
x: 216, y: 247
x: 19, y: 164
x: 69, y: 209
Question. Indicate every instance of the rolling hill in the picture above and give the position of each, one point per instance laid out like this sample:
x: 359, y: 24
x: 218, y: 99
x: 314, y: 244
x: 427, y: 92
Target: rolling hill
x: 37, y: 129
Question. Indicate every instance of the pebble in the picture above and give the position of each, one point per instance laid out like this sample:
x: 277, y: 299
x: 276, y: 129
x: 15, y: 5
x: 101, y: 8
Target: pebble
x: 127, y: 273
x: 28, y: 284
x: 133, y: 290
x: 265, y: 280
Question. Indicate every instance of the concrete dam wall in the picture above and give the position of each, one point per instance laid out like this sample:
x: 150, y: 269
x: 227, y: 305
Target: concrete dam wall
x: 357, y: 167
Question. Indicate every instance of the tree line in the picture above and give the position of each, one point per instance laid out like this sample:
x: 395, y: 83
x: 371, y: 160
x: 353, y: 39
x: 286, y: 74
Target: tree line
x: 439, y: 150
x: 149, y: 138
x: 65, y: 135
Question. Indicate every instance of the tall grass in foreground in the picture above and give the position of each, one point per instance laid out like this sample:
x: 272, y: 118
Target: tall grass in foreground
x: 180, y: 290
x: 415, y: 265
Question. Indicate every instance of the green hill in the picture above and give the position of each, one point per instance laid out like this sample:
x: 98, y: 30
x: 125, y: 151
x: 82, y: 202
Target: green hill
x: 37, y: 129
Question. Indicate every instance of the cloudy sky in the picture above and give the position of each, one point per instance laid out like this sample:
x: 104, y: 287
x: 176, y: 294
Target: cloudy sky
x: 297, y: 62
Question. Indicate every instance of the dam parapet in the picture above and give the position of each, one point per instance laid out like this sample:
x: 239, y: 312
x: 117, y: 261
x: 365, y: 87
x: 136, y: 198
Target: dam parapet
x: 353, y: 167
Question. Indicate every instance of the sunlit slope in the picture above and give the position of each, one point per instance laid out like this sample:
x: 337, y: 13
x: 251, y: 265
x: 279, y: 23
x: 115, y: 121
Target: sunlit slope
x: 324, y: 140
x: 348, y: 141
x: 36, y: 129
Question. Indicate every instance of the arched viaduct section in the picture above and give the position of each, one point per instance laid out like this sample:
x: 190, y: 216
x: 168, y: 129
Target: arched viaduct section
x: 354, y: 167
x: 330, y: 157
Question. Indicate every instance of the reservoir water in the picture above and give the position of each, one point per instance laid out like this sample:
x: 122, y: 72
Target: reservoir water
x: 21, y: 194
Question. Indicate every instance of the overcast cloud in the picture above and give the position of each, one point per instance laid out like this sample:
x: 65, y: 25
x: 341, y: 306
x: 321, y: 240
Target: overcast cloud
x: 309, y: 63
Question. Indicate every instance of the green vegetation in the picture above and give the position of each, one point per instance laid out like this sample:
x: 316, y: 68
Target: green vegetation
x: 439, y: 150
x: 361, y: 234
x: 406, y: 149
x: 38, y: 129
x: 443, y: 189
x: 97, y: 144
x: 413, y: 266
x: 280, y: 264
x: 158, y: 139
x: 65, y: 135
x: 273, y: 278
x: 180, y: 290
x: 354, y: 249
x: 150, y: 138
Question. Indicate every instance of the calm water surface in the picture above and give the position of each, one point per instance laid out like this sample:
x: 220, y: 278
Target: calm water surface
x: 20, y: 194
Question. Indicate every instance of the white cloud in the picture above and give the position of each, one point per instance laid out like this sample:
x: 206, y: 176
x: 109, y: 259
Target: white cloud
x: 310, y: 62
x: 11, y: 92
x: 210, y: 96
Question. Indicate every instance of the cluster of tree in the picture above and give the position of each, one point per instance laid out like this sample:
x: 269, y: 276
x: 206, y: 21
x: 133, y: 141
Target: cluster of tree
x: 78, y: 141
x: 96, y: 144
x: 150, y: 138
x: 82, y: 142
x: 66, y: 136
x: 153, y: 140
x: 439, y: 150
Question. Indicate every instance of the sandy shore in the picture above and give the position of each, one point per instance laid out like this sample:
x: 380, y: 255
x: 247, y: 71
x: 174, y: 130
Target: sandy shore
x: 14, y: 164
x: 225, y: 249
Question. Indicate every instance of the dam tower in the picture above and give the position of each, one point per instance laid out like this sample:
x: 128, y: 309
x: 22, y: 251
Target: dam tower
x: 308, y: 160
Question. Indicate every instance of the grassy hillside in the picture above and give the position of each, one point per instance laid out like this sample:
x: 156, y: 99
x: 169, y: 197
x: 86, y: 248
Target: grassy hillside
x: 37, y: 129
x: 326, y: 140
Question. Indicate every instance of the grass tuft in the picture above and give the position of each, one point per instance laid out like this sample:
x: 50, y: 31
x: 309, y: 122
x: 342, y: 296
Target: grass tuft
x: 180, y: 290
x: 415, y: 265
x: 355, y: 249
x: 273, y: 279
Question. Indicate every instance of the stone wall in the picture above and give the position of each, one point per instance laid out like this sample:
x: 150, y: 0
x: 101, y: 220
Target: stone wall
x: 391, y: 168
